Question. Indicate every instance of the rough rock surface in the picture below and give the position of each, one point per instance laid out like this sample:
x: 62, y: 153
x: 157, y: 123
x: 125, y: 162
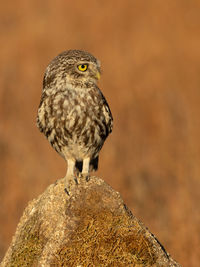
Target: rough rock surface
x: 92, y: 227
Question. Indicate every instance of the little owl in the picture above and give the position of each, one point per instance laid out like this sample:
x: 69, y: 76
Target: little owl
x: 73, y: 113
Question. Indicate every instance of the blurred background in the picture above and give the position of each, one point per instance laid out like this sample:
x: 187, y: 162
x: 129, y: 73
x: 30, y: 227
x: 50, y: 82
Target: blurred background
x: 150, y: 54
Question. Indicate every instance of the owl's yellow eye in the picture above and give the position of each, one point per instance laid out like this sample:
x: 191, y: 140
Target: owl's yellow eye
x: 83, y: 67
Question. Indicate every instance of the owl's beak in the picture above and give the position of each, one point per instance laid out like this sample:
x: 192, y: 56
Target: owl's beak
x: 98, y: 75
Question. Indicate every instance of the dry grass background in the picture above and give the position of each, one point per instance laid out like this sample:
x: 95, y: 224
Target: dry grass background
x: 150, y: 54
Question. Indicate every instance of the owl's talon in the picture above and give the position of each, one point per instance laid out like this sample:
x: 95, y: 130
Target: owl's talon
x: 76, y: 180
x: 70, y: 183
x: 66, y: 191
x: 87, y: 178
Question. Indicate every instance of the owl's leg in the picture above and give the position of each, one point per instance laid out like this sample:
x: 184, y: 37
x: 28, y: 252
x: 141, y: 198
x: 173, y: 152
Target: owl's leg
x: 70, y: 176
x: 86, y: 168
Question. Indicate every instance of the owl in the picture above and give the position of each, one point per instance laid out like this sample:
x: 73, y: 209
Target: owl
x: 73, y: 114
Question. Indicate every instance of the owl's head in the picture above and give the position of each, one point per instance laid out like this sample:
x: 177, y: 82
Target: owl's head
x: 73, y: 67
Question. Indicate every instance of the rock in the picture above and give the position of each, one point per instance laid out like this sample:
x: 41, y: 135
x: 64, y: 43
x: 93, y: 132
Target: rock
x: 91, y: 227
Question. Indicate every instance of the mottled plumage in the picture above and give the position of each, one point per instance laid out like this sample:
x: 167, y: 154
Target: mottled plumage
x: 73, y: 113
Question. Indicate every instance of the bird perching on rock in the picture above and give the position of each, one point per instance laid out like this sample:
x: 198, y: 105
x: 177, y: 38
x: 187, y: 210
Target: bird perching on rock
x: 73, y: 113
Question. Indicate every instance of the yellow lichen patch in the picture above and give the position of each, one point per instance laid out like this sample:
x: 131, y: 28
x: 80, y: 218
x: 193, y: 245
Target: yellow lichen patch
x: 104, y: 238
x: 29, y: 246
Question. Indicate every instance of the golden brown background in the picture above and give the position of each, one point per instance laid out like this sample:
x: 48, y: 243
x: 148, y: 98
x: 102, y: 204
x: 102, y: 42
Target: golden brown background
x: 150, y: 54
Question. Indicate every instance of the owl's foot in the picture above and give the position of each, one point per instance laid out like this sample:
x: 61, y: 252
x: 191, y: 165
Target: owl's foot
x: 69, y: 182
x: 85, y: 170
x: 85, y: 176
x: 70, y: 177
